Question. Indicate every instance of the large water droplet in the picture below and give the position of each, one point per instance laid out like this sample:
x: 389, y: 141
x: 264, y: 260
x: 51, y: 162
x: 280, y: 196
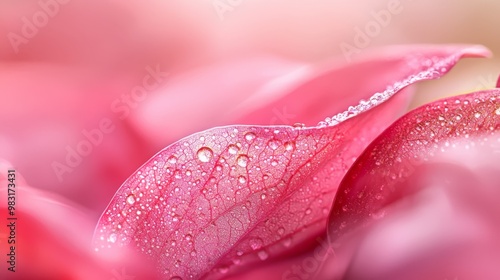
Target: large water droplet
x: 205, y: 154
x: 131, y: 199
x: 497, y: 111
x: 250, y: 136
x: 242, y: 160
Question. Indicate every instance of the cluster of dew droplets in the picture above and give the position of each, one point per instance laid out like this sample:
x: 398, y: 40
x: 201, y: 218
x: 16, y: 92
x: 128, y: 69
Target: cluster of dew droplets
x: 428, y: 69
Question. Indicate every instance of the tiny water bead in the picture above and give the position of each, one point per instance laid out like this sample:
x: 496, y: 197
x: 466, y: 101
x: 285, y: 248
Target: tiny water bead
x: 256, y: 243
x: 172, y: 159
x: 273, y: 144
x: 250, y: 136
x: 263, y: 255
x: 223, y: 269
x: 299, y: 125
x: 287, y: 242
x: 205, y: 154
x: 242, y: 179
x: 289, y: 146
x: 131, y: 199
x: 112, y: 238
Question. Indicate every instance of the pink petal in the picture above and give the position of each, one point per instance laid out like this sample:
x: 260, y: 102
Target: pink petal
x: 447, y: 230
x: 219, y: 200
x: 450, y: 130
x: 51, y: 237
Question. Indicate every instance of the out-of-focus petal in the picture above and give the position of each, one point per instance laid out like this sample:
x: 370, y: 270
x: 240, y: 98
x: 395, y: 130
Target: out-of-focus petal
x: 46, y: 237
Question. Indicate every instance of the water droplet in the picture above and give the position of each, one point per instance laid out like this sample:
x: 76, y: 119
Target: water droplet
x: 188, y: 237
x: 250, y: 136
x: 175, y: 278
x: 273, y: 144
x: 289, y: 146
x: 205, y: 154
x: 287, y: 242
x: 263, y: 196
x: 138, y: 212
x: 256, y: 243
x: 131, y: 199
x: 172, y: 159
x: 274, y: 163
x: 263, y: 255
x: 237, y: 261
x: 281, y: 231
x: 242, y: 160
x: 233, y: 149
x: 242, y: 179
x: 308, y: 211
x: 239, y: 253
x: 497, y: 111
x: 112, y: 238
x: 477, y: 115
x: 193, y: 253
x: 188, y: 172
x: 223, y: 269
x: 299, y: 125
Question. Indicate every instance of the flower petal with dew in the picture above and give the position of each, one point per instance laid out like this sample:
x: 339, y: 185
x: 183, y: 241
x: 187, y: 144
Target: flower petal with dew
x: 228, y: 197
x: 426, y: 192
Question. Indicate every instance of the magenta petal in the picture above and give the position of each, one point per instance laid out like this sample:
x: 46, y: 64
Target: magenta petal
x: 460, y: 130
x: 219, y: 200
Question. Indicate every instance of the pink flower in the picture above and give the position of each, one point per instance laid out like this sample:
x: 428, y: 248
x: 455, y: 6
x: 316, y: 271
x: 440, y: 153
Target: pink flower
x: 224, y: 200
